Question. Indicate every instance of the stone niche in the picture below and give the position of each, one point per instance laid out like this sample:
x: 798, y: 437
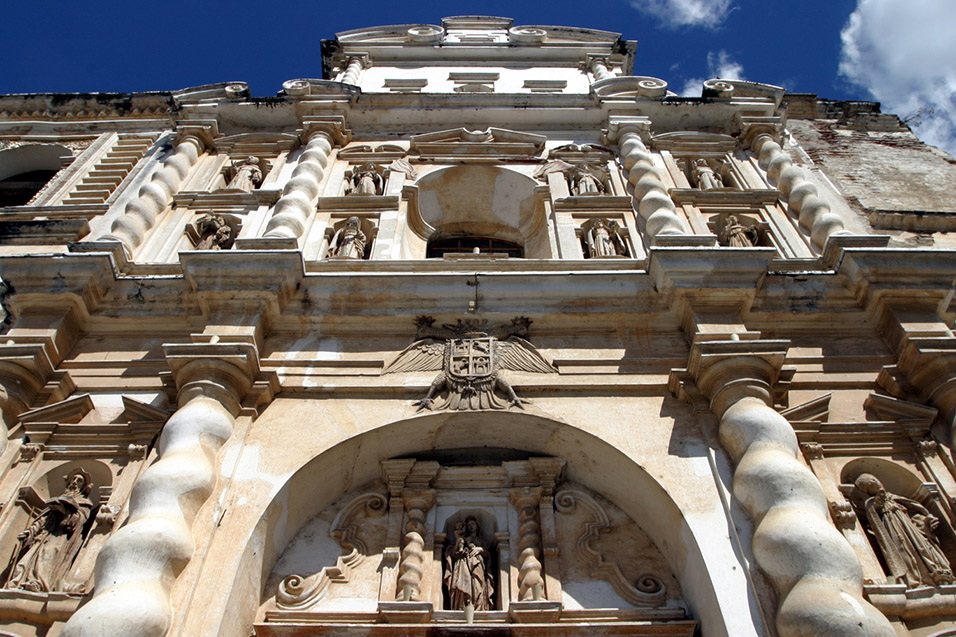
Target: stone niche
x: 510, y: 543
x: 67, y: 489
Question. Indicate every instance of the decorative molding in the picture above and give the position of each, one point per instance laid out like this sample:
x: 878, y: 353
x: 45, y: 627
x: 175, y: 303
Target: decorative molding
x: 297, y: 592
x: 649, y: 589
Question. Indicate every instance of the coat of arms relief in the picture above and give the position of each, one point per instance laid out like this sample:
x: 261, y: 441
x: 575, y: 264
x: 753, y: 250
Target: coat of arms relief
x: 472, y: 359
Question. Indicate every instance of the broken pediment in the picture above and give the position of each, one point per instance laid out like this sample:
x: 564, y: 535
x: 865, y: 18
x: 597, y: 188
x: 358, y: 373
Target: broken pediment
x: 58, y: 430
x: 492, y: 141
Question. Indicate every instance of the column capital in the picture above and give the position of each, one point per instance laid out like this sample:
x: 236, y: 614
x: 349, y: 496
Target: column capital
x: 203, y: 131
x: 332, y: 126
x: 929, y: 365
x: 752, y: 128
x: 522, y: 497
x: 228, y: 372
x: 727, y: 370
x: 619, y: 125
x: 26, y: 372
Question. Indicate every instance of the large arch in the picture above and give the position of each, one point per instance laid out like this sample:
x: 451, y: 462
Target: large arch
x: 721, y: 601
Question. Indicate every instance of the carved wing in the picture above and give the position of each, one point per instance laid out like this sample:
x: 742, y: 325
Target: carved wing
x: 518, y: 355
x: 426, y: 355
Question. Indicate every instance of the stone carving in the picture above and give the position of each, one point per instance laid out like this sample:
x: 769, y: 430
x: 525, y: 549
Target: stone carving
x: 842, y: 514
x: 467, y: 575
x: 296, y: 591
x: 348, y: 242
x: 214, y: 232
x: 46, y: 549
x: 411, y: 569
x: 647, y: 591
x: 402, y: 165
x: 704, y: 176
x: 29, y: 451
x: 734, y: 234
x: 365, y: 180
x: 471, y: 357
x: 142, y: 212
x: 905, y: 534
x: 248, y: 175
x: 650, y: 196
x: 812, y: 211
x: 603, y: 239
x: 585, y: 180
x: 530, y: 576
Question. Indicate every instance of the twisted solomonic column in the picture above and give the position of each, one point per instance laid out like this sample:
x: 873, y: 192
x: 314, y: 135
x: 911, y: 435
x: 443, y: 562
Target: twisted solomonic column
x: 137, y: 566
x: 813, y: 213
x: 140, y: 214
x: 650, y: 196
x: 411, y: 567
x: 301, y: 191
x: 530, y: 582
x: 355, y: 66
x: 599, y: 69
x: 815, y: 571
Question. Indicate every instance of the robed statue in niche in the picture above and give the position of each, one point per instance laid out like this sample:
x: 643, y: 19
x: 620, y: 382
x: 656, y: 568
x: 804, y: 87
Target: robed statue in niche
x: 905, y: 534
x: 248, y: 175
x: 47, y: 548
x: 467, y: 572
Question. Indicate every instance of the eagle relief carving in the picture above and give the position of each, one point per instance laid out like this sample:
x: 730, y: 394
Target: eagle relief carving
x: 471, y: 358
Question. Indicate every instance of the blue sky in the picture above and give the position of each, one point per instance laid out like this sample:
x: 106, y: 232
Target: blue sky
x: 899, y: 52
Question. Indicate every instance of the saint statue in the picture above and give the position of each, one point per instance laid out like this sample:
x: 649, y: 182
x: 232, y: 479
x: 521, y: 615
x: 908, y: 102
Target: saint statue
x: 348, y: 242
x: 467, y: 576
x: 46, y: 550
x: 583, y: 182
x: 705, y: 177
x: 214, y: 232
x: 603, y: 240
x: 365, y: 180
x: 735, y: 235
x: 248, y: 175
x: 905, y: 533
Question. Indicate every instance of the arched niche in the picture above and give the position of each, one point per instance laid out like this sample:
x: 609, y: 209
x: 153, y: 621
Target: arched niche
x: 31, y: 502
x: 592, y: 463
x: 480, y: 200
x: 24, y: 170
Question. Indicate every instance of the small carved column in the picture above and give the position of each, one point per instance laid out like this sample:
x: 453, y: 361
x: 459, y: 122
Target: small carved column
x: 141, y: 213
x: 355, y: 66
x: 530, y: 582
x: 816, y: 573
x: 137, y: 566
x: 649, y: 197
x: 301, y: 191
x: 411, y: 569
x: 813, y: 213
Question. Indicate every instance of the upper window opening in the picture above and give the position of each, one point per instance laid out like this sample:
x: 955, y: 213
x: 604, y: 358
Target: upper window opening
x: 474, y: 245
x: 19, y: 189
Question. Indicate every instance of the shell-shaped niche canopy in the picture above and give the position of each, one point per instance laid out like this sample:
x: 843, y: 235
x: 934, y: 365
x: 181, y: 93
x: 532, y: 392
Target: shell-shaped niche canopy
x: 481, y: 201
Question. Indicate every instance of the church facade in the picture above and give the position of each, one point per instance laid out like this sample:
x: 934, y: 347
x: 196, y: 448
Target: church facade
x: 484, y: 332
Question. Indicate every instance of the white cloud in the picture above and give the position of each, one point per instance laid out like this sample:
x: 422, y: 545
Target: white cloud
x: 719, y: 64
x: 903, y: 55
x: 684, y: 13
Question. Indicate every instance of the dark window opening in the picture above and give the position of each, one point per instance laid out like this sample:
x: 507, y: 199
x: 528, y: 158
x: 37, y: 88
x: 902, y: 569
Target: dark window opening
x: 17, y: 190
x: 473, y: 245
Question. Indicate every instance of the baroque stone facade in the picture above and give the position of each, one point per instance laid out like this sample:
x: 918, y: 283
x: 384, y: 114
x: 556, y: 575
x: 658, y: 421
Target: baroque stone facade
x: 481, y: 329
